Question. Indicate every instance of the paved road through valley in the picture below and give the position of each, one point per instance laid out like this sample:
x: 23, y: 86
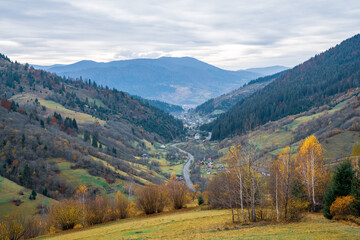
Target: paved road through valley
x: 186, y: 167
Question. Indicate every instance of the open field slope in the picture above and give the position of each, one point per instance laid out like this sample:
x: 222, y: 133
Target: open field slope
x: 9, y: 191
x: 213, y: 224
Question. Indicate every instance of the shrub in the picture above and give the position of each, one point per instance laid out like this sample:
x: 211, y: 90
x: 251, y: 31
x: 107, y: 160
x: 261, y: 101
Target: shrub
x: 152, y: 198
x: 97, y: 211
x: 120, y: 207
x: 35, y: 227
x: 297, y: 207
x: 66, y: 214
x: 178, y: 193
x: 132, y: 209
x: 12, y: 227
x: 341, y: 207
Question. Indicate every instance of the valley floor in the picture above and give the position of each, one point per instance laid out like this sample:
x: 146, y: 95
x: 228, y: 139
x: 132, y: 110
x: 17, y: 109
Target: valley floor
x: 212, y: 224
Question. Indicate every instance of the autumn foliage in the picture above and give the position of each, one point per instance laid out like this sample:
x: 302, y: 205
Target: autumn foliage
x: 310, y: 169
x: 341, y: 207
x: 66, y: 214
x: 178, y: 193
x: 152, y: 198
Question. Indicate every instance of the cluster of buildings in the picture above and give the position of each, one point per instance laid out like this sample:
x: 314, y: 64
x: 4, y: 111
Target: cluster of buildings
x: 211, y: 166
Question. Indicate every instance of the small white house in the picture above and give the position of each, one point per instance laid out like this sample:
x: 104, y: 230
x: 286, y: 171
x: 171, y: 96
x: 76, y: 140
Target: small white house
x: 197, y: 136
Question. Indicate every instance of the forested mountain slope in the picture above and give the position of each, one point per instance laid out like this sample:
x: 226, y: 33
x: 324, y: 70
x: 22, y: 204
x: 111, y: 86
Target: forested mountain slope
x: 305, y: 86
x: 57, y: 133
x: 223, y: 103
x: 87, y: 97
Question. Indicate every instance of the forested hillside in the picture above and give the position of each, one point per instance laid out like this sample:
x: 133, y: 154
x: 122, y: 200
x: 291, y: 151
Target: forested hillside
x: 166, y: 107
x: 57, y: 133
x: 223, y: 103
x: 307, y: 85
x: 87, y: 97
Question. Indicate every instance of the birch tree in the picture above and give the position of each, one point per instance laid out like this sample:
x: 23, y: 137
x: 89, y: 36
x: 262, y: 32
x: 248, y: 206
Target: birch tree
x: 281, y: 170
x: 311, y: 169
x: 236, y: 166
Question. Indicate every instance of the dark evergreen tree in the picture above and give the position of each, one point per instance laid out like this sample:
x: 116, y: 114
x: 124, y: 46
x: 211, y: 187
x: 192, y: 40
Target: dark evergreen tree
x: 95, y: 140
x: 33, y: 195
x: 26, y: 177
x: 86, y: 136
x: 341, y: 185
x: 74, y: 124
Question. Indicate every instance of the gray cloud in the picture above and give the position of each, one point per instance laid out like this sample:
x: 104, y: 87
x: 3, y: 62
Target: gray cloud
x: 229, y: 34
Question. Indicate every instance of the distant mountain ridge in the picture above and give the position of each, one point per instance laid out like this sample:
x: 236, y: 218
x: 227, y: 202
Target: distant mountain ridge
x: 178, y: 81
x: 266, y: 71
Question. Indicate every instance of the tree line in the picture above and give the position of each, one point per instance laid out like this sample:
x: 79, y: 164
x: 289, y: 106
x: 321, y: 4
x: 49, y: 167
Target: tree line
x: 297, y: 182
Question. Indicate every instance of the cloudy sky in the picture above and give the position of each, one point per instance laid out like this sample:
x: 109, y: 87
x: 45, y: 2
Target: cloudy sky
x: 231, y: 34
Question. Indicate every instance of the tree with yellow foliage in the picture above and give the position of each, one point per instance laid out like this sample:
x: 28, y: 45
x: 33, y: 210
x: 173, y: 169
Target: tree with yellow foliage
x: 82, y: 193
x: 236, y: 166
x: 311, y: 169
x: 121, y: 205
x: 241, y: 163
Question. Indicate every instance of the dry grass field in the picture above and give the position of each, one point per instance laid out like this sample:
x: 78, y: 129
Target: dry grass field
x: 211, y: 224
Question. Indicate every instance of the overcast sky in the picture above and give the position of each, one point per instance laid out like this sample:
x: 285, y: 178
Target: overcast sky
x: 229, y: 34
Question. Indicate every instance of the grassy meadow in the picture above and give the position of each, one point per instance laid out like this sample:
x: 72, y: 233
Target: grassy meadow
x: 211, y: 224
x: 9, y: 191
x: 52, y: 107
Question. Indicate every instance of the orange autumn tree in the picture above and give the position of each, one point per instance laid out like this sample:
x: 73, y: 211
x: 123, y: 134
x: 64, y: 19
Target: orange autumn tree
x: 311, y: 169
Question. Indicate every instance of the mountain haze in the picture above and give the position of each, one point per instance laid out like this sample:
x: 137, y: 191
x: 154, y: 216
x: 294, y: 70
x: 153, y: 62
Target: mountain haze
x: 182, y: 80
x: 268, y: 70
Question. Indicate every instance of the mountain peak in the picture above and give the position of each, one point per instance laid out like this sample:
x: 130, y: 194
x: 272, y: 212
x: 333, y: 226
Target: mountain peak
x: 178, y: 80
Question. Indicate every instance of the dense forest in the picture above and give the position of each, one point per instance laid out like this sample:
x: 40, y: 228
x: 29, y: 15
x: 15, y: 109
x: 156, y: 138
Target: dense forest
x: 307, y: 85
x: 166, y: 107
x: 226, y: 101
x: 105, y: 104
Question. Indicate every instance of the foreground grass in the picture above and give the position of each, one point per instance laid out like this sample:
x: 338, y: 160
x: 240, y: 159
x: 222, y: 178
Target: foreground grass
x: 212, y: 224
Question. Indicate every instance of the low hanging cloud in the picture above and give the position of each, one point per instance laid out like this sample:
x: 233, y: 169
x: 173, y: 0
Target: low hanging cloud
x: 229, y: 34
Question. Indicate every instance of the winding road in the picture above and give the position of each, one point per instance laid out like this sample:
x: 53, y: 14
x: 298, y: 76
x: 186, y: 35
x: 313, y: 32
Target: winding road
x: 186, y: 167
